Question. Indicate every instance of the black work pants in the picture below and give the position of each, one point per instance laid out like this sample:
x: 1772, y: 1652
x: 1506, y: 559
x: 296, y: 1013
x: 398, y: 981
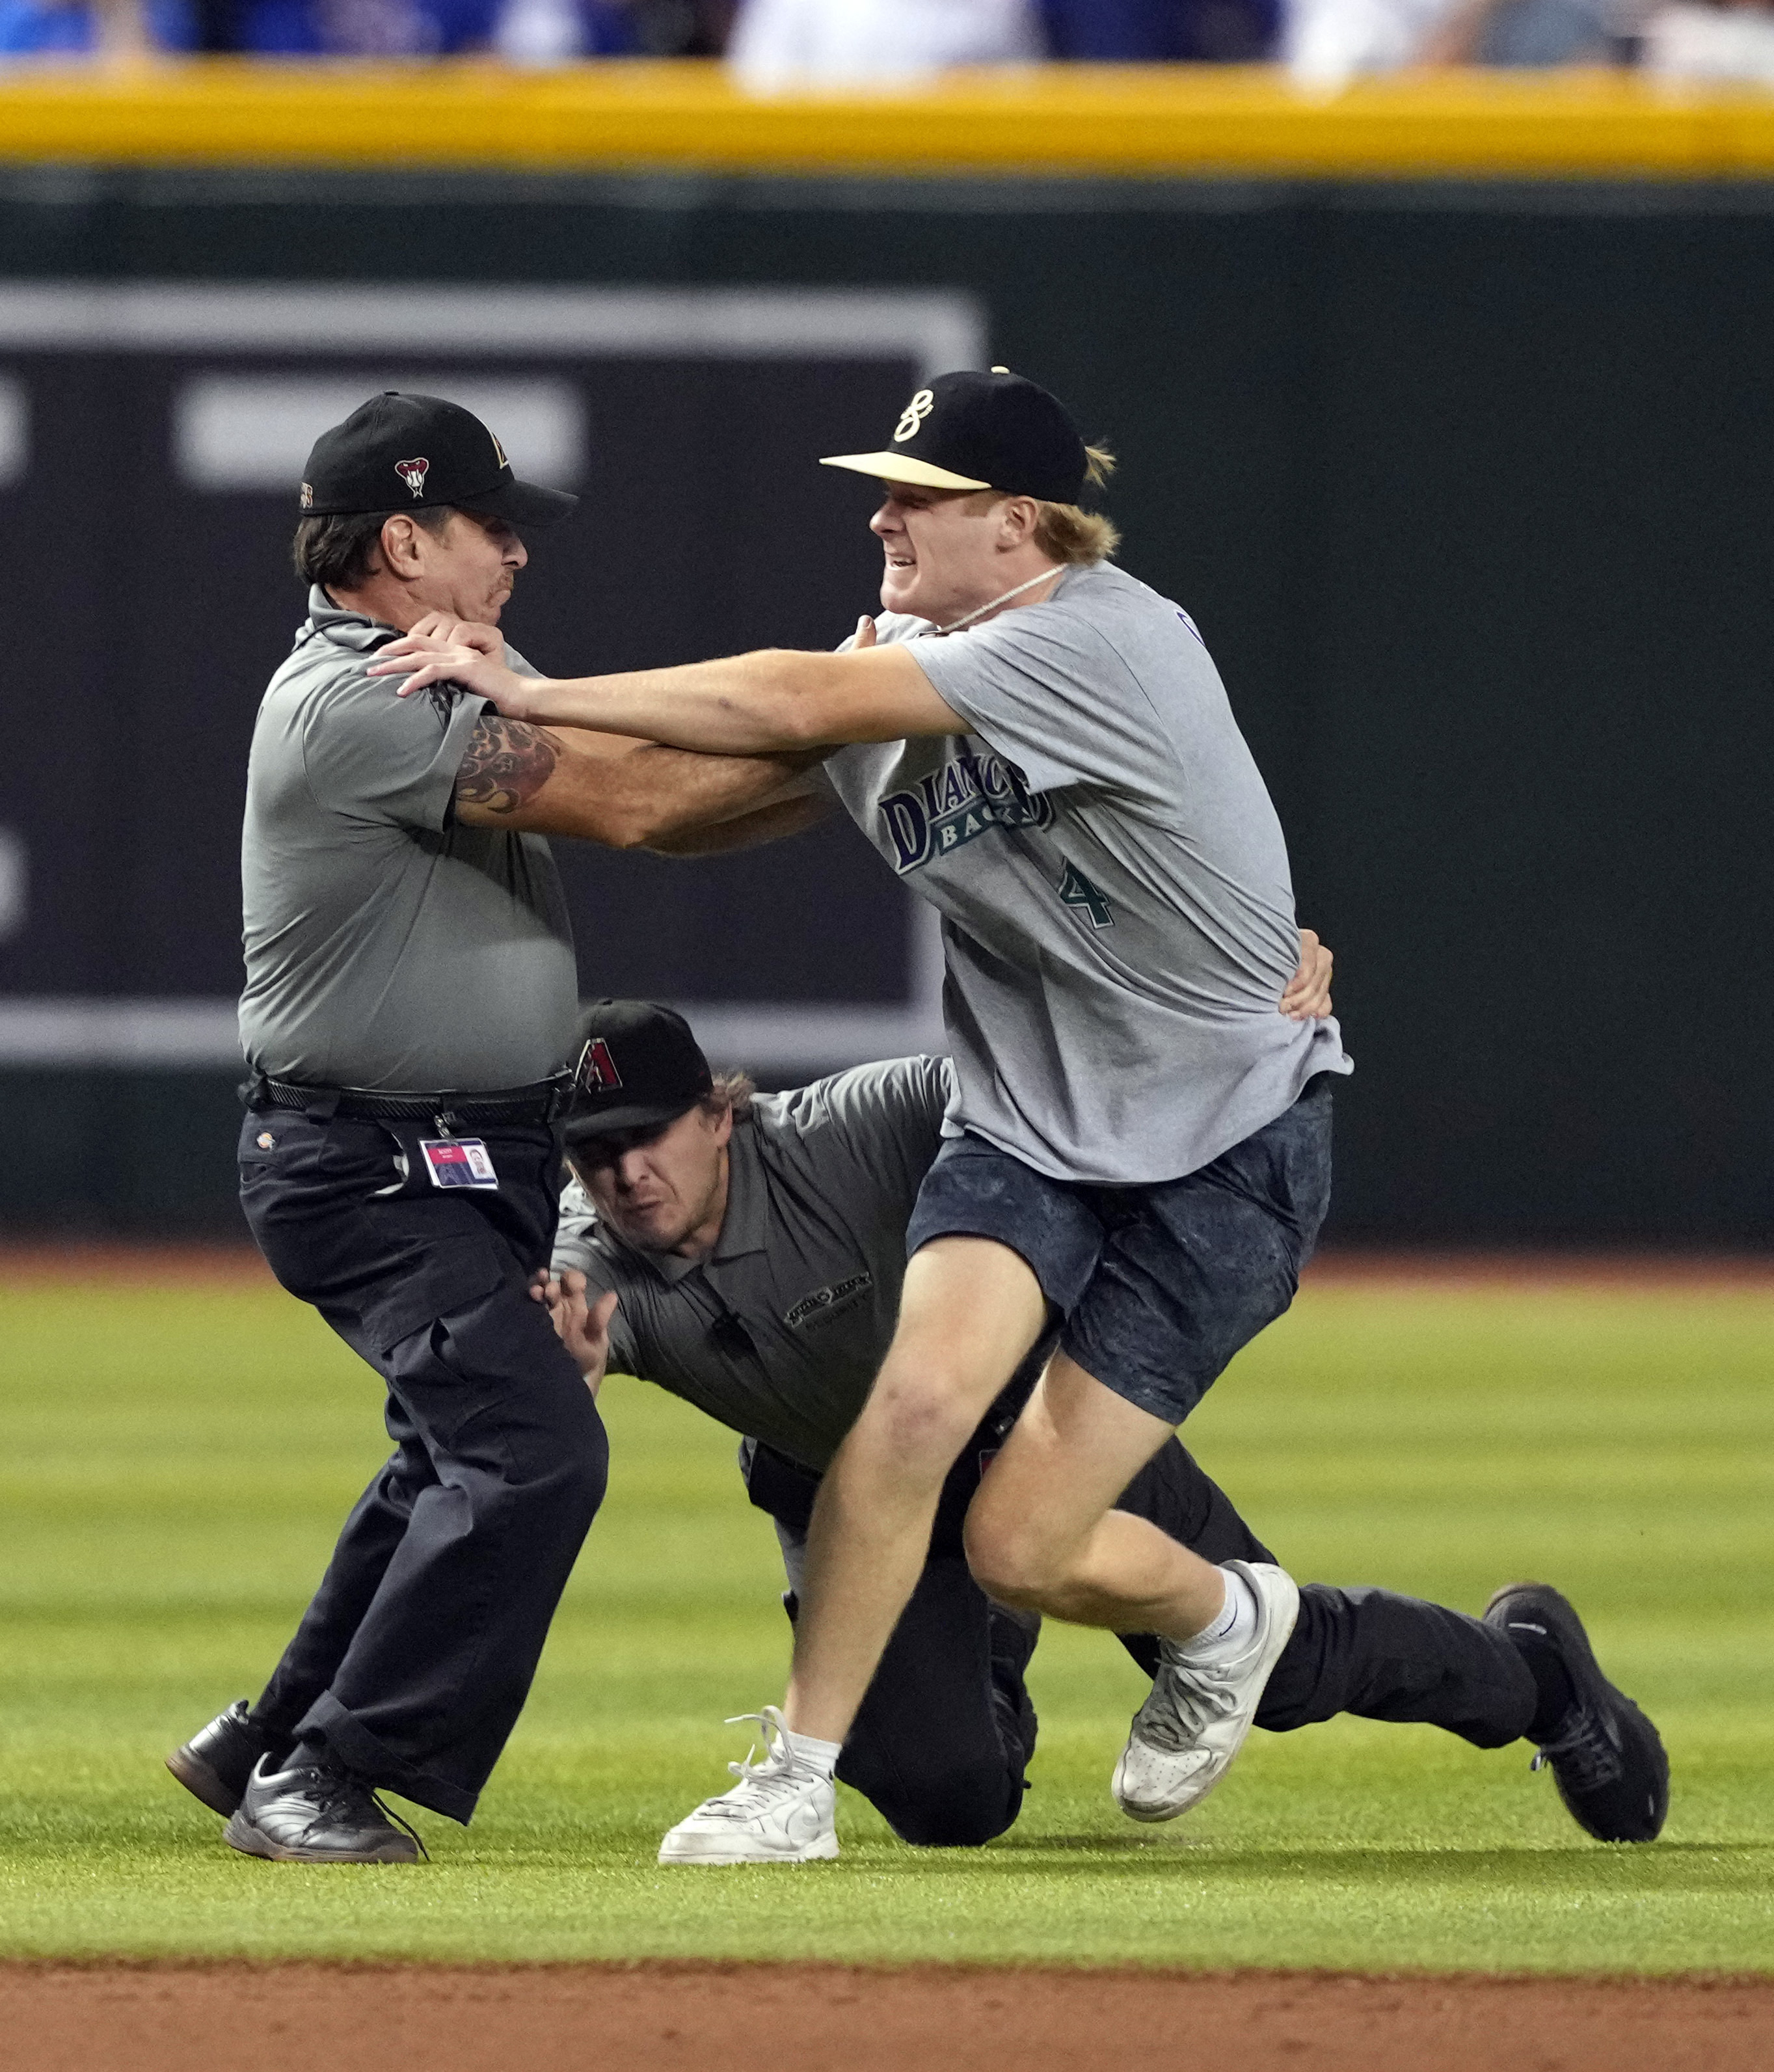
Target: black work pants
x: 942, y: 1742
x: 1363, y: 1650
x: 415, y: 1658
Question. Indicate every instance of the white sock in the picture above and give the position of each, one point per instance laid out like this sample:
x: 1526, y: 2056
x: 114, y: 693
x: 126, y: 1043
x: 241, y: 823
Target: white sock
x: 1231, y: 1634
x: 810, y: 1753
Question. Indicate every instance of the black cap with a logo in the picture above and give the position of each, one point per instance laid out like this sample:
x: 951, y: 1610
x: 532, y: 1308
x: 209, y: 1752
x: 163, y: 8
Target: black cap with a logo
x: 638, y: 1067
x: 398, y: 452
x: 981, y: 431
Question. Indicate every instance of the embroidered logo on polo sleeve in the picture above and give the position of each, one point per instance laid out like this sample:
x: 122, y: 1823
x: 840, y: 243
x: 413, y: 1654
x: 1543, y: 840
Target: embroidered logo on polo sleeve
x: 413, y: 473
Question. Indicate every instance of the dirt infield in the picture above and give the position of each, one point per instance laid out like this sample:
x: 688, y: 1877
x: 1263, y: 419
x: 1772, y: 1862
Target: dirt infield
x: 38, y: 1262
x: 24, y: 1262
x: 1612, y: 1273
x: 678, y: 2018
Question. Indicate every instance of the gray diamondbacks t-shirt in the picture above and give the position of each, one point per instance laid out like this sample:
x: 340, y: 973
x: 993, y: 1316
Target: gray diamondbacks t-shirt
x: 808, y: 1264
x: 388, y: 946
x: 1118, y: 914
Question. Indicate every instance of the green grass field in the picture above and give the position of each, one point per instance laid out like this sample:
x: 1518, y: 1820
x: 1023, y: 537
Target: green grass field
x: 176, y: 1464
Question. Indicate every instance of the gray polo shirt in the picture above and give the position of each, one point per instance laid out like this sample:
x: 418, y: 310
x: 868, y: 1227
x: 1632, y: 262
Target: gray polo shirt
x: 388, y: 946
x: 1118, y: 915
x: 808, y: 1265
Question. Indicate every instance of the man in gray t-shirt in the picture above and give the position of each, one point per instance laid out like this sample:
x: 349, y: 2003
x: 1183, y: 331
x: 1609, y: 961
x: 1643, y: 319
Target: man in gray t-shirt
x: 1054, y: 763
x: 1117, y: 917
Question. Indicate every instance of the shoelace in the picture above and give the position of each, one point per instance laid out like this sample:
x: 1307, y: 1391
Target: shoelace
x: 351, y: 1797
x: 1191, y: 1698
x: 1581, y: 1753
x: 405, y: 1827
x: 760, y: 1780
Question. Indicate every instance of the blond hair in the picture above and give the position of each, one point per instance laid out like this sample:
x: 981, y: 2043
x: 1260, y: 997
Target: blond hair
x: 733, y: 1090
x: 1076, y: 538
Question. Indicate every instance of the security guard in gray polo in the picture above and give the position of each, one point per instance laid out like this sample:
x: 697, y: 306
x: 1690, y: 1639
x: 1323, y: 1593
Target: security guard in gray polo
x: 408, y: 1017
x: 746, y: 1251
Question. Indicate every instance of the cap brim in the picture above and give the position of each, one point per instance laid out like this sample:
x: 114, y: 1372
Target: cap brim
x: 632, y: 1114
x: 903, y: 467
x: 524, y: 504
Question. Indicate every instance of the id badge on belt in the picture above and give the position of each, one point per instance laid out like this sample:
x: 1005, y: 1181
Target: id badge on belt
x: 458, y: 1162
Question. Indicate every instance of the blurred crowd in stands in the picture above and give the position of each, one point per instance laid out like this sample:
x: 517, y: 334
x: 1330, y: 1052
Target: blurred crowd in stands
x: 777, y: 45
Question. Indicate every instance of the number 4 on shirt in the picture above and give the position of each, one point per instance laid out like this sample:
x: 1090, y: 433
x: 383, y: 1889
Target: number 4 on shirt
x: 1076, y: 890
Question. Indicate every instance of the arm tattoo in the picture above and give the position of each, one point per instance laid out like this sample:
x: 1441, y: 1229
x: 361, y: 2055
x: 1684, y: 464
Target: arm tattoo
x: 507, y: 763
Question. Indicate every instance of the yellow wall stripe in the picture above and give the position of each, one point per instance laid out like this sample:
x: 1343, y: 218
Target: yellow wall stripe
x: 1083, y: 120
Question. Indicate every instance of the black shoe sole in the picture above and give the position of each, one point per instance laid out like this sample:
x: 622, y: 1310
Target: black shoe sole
x: 202, y: 1783
x: 1552, y: 1610
x: 241, y: 1833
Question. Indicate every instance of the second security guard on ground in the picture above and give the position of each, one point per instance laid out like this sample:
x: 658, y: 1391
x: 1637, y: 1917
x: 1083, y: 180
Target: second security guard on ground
x: 756, y: 1248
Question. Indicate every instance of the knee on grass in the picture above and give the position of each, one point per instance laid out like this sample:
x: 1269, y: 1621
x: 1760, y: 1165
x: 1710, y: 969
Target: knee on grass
x: 961, y: 1808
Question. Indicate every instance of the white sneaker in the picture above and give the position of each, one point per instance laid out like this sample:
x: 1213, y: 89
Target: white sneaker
x: 777, y: 1812
x: 1185, y: 1737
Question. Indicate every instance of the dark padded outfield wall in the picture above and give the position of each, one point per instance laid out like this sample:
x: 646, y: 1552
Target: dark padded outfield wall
x: 1468, y: 488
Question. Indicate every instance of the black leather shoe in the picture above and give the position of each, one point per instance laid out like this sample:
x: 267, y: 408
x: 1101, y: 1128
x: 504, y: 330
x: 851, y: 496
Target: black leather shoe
x: 215, y: 1764
x: 1605, y: 1757
x: 311, y: 1814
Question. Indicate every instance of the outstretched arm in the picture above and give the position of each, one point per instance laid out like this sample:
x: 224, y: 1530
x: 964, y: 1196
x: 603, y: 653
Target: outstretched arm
x: 776, y: 701
x: 788, y: 816
x: 580, y: 1322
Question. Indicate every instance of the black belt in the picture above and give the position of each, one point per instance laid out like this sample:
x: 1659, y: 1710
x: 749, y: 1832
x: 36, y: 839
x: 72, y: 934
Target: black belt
x: 539, y: 1102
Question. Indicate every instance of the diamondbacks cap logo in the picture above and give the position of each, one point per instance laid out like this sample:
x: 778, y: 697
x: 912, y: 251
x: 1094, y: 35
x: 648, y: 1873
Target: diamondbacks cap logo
x: 498, y: 449
x: 413, y: 473
x: 596, y: 1073
x: 307, y: 496
x: 911, y: 419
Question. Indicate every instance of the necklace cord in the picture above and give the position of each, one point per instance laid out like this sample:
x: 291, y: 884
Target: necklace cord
x: 1046, y: 575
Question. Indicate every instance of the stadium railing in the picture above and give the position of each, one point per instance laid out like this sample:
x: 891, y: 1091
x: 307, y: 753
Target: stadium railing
x: 1080, y: 120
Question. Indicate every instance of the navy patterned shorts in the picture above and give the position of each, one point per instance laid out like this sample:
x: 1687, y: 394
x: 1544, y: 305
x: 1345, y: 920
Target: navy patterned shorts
x: 1158, y: 1285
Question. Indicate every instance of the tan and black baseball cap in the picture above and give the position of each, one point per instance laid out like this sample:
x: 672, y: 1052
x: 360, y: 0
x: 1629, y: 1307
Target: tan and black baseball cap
x: 402, y: 452
x: 973, y: 430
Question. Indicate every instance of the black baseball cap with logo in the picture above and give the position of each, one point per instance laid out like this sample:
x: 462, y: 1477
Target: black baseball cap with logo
x: 399, y: 452
x: 972, y: 430
x: 638, y: 1067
